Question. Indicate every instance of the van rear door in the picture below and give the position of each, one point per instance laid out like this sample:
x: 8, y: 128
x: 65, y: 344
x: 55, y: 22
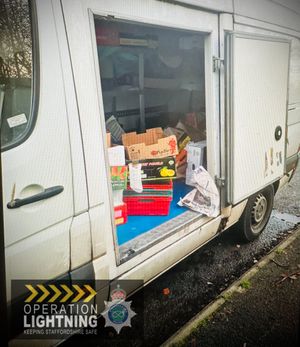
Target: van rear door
x: 257, y: 82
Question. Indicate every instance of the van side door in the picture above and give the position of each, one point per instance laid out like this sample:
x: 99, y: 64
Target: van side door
x: 36, y: 159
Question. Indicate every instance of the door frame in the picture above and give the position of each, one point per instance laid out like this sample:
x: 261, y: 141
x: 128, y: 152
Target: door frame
x: 208, y: 25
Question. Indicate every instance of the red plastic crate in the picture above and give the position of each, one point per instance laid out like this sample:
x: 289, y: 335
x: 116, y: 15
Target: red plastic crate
x: 148, y: 205
x: 120, y: 214
x: 168, y: 185
x: 156, y: 189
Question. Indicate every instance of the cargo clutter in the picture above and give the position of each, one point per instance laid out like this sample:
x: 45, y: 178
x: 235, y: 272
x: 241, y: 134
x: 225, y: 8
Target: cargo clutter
x: 153, y: 93
x: 118, y: 176
x: 143, y: 165
x: 151, y: 157
x: 205, y: 198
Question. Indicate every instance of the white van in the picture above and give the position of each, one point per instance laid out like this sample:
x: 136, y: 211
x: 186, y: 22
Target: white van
x: 63, y: 73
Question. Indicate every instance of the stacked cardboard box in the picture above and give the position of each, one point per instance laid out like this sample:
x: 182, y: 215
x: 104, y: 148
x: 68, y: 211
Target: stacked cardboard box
x: 155, y: 152
x: 152, y: 144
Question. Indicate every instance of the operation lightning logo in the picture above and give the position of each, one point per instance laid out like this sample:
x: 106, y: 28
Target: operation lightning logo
x: 59, y: 310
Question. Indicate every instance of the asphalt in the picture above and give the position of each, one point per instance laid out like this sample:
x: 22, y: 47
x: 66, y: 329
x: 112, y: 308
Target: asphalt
x: 178, y: 295
x: 264, y: 312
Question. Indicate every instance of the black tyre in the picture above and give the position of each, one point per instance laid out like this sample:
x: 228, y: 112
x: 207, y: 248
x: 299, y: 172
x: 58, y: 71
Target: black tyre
x: 256, y: 214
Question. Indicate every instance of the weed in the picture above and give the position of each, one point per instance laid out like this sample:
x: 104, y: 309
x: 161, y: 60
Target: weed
x: 203, y: 323
x: 245, y: 284
x: 279, y: 250
x: 227, y: 296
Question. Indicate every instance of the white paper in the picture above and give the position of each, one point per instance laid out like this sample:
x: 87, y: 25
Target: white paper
x: 118, y: 197
x: 135, y: 175
x: 116, y: 156
x: 17, y: 120
x: 205, y: 197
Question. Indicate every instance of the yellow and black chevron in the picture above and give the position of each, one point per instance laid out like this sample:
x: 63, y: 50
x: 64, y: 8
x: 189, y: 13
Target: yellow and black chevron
x: 59, y: 293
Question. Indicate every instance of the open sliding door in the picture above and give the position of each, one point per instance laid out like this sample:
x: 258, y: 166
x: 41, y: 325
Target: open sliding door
x: 257, y: 81
x: 143, y: 63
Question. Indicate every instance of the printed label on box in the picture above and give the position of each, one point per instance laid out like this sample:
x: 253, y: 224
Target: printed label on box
x: 119, y: 177
x: 153, y: 169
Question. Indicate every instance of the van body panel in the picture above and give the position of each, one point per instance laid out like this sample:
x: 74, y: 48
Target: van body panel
x: 257, y: 109
x: 80, y: 241
x: 171, y: 255
x: 214, y: 5
x: 294, y: 114
x: 282, y: 13
x: 293, y: 118
x: 161, y: 245
x: 253, y: 23
x: 77, y: 155
x: 102, y: 237
x: 45, y: 255
x: 236, y: 213
x: 293, y: 139
x: 278, y: 12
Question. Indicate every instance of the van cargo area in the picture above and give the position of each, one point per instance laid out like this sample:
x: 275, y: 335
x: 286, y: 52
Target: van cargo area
x: 153, y: 89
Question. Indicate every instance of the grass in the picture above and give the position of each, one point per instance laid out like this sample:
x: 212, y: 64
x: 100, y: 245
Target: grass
x: 279, y: 251
x: 227, y: 296
x: 245, y: 284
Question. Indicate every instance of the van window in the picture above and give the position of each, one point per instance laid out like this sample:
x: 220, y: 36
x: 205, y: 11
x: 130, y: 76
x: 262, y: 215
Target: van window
x: 15, y: 71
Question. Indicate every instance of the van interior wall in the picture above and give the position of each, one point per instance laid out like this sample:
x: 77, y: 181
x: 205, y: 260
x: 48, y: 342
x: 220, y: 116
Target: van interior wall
x: 166, y: 68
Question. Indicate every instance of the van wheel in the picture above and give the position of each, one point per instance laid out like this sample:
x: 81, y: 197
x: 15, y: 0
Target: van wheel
x: 256, y: 214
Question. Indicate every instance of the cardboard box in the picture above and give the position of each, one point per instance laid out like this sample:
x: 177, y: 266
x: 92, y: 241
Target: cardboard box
x: 150, y: 145
x: 154, y: 169
x: 182, y: 138
x: 195, y: 152
x: 116, y: 156
x: 119, y: 177
x: 196, y: 156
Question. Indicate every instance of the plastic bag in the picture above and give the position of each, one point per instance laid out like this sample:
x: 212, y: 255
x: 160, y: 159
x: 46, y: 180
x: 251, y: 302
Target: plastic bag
x: 205, y: 197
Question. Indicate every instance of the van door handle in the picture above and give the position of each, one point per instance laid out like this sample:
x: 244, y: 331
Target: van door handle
x: 47, y: 193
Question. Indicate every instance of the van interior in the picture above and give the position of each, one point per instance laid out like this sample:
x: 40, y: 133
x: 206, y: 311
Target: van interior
x: 153, y: 77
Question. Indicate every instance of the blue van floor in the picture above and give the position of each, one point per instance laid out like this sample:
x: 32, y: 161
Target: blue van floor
x: 137, y: 225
